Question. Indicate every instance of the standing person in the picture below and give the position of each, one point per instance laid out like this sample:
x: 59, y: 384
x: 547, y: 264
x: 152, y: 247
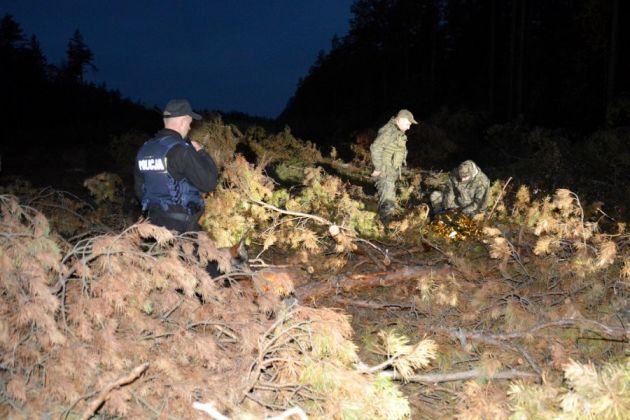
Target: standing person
x: 389, y: 154
x: 172, y: 172
x: 466, y: 190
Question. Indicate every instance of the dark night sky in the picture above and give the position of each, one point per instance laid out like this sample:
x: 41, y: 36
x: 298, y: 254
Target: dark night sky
x: 242, y: 55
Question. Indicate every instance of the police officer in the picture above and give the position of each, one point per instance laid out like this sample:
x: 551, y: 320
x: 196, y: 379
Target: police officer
x: 389, y: 154
x: 171, y: 172
x: 466, y: 190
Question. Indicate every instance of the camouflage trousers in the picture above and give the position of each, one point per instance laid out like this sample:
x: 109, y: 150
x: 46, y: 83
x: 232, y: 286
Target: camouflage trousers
x: 386, y: 187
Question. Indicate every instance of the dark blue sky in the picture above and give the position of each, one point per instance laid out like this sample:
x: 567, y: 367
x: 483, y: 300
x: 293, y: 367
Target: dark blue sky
x: 243, y: 55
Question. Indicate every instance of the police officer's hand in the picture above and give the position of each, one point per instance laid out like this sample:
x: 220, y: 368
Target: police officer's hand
x: 376, y: 173
x: 196, y: 145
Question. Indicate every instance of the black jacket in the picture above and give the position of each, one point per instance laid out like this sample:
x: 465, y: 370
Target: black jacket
x: 184, y: 162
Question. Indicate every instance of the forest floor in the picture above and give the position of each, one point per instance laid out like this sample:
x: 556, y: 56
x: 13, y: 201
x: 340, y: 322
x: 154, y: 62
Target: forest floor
x: 520, y: 312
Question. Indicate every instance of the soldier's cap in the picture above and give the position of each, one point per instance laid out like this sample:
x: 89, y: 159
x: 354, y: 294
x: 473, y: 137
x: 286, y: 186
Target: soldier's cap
x: 179, y: 108
x: 405, y: 113
x: 466, y: 169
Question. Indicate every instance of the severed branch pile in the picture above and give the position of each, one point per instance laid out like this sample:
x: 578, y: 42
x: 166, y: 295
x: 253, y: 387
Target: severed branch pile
x: 127, y: 323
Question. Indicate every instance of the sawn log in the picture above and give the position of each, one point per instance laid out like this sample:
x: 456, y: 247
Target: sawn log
x: 349, y: 283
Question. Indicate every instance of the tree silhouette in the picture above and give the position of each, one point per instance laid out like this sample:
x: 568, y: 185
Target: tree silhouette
x: 552, y: 62
x: 36, y: 56
x: 79, y: 58
x: 11, y: 35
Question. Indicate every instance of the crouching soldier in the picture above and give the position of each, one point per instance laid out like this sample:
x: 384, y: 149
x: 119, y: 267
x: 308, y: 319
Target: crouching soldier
x: 466, y: 190
x: 389, y: 154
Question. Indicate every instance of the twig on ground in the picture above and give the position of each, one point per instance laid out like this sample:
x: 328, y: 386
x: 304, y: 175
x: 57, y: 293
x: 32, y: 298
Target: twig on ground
x: 461, y: 376
x: 105, y: 393
x: 496, y: 202
x: 378, y: 263
x: 502, y: 340
x: 530, y: 359
x: 434, y: 246
x: 613, y: 332
x: 295, y: 411
x: 577, y: 200
x: 209, y: 409
x: 292, y: 213
x: 173, y: 309
x: 371, y: 305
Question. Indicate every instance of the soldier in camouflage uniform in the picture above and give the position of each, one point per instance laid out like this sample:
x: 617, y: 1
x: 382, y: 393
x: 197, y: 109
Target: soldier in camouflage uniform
x: 389, y: 154
x: 466, y: 189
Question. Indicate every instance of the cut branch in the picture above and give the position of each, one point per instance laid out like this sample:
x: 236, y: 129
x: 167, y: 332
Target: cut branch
x: 496, y: 202
x: 209, y: 409
x: 317, y: 290
x: 371, y: 305
x: 618, y: 333
x: 462, y: 335
x: 319, y: 220
x: 461, y: 376
x: 105, y: 393
x: 292, y: 213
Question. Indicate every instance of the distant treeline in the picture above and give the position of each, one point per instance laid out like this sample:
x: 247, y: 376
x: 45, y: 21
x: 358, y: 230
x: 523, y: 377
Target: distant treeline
x: 549, y: 62
x: 48, y: 108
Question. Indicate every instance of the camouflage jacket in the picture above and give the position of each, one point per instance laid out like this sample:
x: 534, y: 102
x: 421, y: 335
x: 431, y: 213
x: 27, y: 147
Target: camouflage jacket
x: 470, y: 196
x: 389, y: 150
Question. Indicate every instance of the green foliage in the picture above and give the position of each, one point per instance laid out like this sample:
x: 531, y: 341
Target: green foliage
x: 589, y: 393
x: 231, y: 211
x: 320, y: 376
x: 290, y: 171
x: 354, y: 398
x: 105, y: 187
x: 219, y: 139
x: 282, y: 146
x: 395, y: 405
x: 327, y: 345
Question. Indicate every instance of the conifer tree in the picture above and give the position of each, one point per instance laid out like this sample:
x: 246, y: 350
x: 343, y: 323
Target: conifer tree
x: 79, y: 58
x: 11, y: 35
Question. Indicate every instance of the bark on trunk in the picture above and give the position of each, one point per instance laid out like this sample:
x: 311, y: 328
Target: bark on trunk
x: 350, y: 283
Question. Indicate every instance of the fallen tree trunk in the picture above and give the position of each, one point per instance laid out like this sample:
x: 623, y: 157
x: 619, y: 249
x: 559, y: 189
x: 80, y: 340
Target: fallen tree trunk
x: 349, y: 283
x: 615, y: 333
x: 460, y: 376
x: 371, y: 305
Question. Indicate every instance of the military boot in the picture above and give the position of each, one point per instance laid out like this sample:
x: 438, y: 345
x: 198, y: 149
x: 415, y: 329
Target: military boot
x: 385, y: 212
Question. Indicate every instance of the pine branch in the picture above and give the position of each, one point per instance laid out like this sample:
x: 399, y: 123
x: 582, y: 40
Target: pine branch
x: 209, y: 409
x: 322, y: 221
x: 461, y: 376
x: 371, y: 305
x: 318, y: 290
x: 502, y: 340
x: 496, y: 202
x: 380, y: 366
x: 589, y: 324
x: 105, y: 393
x: 318, y: 219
